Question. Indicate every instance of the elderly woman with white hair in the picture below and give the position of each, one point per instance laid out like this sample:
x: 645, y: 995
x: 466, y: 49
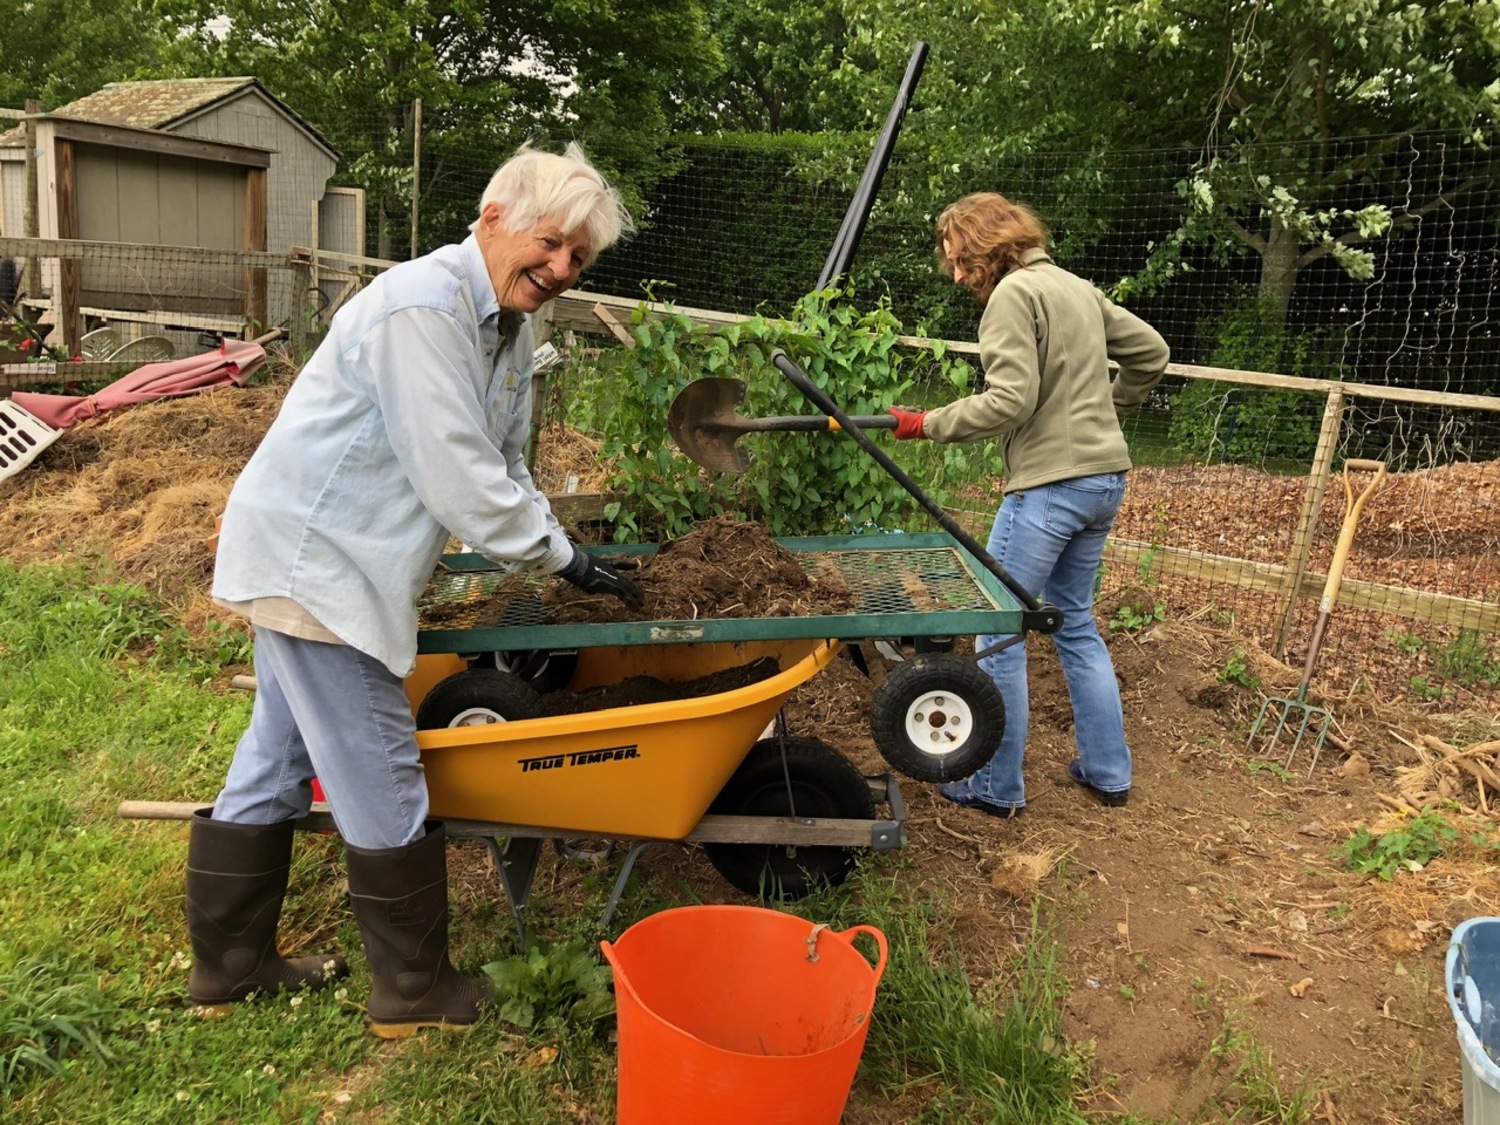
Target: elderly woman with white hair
x: 405, y: 427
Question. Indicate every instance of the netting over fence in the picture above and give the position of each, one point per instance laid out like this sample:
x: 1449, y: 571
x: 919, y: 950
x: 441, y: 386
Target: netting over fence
x: 1237, y: 497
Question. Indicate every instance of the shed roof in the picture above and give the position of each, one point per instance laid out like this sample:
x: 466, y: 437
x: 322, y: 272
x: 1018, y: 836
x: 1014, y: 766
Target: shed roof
x: 164, y: 102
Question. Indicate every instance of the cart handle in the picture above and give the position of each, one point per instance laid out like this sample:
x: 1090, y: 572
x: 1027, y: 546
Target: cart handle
x: 1044, y: 619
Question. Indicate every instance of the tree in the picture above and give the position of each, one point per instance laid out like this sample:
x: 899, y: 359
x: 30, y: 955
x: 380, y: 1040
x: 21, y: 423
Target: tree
x: 779, y: 60
x: 59, y: 50
x: 490, y: 75
x: 1236, y: 83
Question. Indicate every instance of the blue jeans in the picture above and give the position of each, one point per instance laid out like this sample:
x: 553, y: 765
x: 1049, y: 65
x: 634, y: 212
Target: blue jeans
x: 331, y: 712
x: 1051, y: 539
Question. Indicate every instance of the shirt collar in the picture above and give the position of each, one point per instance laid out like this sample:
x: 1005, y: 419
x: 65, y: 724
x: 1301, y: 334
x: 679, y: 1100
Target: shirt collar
x: 1034, y: 255
x: 486, y: 304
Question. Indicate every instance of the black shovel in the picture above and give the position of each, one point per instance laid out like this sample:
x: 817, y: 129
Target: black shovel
x: 705, y: 424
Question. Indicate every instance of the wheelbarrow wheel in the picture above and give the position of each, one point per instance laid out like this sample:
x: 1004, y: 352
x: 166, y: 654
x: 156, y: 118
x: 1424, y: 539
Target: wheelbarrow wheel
x: 938, y: 717
x: 476, y: 697
x: 824, y: 784
x: 544, y: 669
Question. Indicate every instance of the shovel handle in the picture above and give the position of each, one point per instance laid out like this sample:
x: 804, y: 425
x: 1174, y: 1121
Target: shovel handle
x: 817, y: 423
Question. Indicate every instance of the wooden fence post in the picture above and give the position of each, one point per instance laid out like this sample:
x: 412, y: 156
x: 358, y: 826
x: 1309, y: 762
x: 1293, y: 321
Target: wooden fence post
x: 65, y: 301
x: 1312, y: 505
x: 416, y: 172
x: 31, y: 213
x: 256, y: 222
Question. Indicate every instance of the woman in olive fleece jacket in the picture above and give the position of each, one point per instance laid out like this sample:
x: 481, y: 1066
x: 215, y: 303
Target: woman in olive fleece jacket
x: 1045, y: 340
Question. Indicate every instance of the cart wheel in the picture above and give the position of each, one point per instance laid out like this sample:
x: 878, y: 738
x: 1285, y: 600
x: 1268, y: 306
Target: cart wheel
x: 544, y: 669
x: 937, y: 718
x: 476, y: 697
x: 824, y: 783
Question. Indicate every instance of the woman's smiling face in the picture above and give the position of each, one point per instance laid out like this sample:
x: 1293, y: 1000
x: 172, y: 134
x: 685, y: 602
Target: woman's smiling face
x: 529, y: 267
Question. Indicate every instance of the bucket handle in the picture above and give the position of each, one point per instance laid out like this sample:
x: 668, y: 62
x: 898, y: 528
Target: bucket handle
x: 847, y: 937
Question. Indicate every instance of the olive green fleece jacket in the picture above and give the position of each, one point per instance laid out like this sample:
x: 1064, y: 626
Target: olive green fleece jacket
x: 1044, y: 340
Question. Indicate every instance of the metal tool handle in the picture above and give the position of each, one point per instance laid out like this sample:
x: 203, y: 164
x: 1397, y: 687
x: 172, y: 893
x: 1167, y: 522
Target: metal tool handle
x: 846, y: 242
x: 819, y: 398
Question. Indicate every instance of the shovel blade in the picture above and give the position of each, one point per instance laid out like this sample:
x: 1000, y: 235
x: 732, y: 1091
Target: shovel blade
x: 705, y: 425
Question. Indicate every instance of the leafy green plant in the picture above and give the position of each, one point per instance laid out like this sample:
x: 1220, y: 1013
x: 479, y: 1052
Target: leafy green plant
x: 1470, y: 659
x: 1247, y: 424
x: 1409, y: 643
x: 565, y: 983
x: 45, y: 1018
x: 797, y: 484
x: 1135, y: 616
x: 1203, y: 994
x: 1408, y: 848
x: 1236, y: 670
x: 1423, y: 688
x: 1275, y: 769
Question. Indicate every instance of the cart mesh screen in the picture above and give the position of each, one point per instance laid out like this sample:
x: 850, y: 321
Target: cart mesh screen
x: 915, y: 580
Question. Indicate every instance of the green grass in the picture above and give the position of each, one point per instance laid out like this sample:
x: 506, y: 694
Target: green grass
x: 103, y: 698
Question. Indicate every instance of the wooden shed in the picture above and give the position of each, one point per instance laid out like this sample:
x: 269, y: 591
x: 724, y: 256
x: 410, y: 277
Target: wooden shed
x: 216, y: 163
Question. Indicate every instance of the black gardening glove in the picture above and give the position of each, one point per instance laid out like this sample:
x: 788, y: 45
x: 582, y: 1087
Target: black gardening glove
x: 598, y: 577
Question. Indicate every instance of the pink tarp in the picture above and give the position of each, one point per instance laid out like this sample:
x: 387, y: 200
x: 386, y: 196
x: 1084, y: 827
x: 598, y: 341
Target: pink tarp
x: 234, y: 362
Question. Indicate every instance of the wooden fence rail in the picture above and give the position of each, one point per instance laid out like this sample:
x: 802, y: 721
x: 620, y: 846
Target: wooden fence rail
x: 602, y: 314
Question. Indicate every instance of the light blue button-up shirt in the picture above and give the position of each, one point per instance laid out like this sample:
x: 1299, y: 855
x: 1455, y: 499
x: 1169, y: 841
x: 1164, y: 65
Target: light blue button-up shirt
x: 406, y: 425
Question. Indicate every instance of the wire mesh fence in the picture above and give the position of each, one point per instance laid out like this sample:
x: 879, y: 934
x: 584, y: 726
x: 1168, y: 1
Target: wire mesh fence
x: 1237, y: 497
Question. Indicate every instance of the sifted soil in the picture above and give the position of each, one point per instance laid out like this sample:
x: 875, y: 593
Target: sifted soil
x: 1212, y: 899
x: 723, y: 568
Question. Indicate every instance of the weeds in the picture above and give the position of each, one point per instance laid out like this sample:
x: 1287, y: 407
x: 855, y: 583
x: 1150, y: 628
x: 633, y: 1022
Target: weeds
x: 1135, y: 616
x: 550, y: 985
x: 1236, y: 670
x: 45, y: 1018
x: 1409, y: 848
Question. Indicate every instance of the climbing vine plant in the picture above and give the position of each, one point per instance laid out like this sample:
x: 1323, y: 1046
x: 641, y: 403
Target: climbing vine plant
x: 798, y: 483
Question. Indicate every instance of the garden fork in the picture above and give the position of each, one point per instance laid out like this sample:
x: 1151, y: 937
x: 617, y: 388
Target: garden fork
x: 1297, y: 714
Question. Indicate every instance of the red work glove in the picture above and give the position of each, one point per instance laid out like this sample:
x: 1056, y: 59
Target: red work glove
x: 908, y: 423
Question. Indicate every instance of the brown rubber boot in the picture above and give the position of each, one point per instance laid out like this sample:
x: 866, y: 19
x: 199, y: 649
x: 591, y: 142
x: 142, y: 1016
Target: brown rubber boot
x: 400, y: 899
x: 236, y: 879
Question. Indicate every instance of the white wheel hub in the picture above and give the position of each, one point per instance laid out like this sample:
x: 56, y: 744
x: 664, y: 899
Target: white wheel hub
x: 476, y: 717
x: 939, y: 722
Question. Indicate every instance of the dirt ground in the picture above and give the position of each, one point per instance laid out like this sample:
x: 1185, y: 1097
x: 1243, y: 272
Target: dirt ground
x: 1211, y: 899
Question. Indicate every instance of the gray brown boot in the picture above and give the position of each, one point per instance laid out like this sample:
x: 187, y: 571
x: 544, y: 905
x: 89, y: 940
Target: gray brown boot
x: 236, y: 879
x: 400, y: 899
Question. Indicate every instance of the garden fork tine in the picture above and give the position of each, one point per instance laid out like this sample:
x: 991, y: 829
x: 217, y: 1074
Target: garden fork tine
x: 1299, y: 706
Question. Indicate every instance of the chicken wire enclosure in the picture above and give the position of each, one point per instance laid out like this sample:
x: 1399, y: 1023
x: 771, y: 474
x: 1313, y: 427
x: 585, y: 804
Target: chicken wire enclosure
x: 920, y: 585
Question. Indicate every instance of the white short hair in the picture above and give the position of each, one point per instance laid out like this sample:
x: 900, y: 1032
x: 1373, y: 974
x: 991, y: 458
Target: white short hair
x: 534, y: 185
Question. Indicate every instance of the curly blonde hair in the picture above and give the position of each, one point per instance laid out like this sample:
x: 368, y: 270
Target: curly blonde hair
x: 987, y: 235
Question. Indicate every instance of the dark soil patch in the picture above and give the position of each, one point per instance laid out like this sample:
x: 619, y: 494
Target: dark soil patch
x: 723, y: 568
x: 646, y: 689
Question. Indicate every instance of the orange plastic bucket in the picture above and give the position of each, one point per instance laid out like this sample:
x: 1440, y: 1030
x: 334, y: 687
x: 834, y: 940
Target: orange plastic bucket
x: 737, y: 1014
